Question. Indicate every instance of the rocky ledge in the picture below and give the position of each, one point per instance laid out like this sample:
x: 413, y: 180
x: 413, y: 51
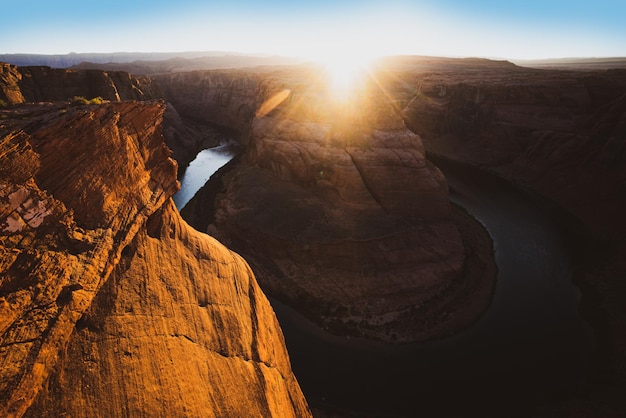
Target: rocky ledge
x: 110, y: 304
x: 342, y: 216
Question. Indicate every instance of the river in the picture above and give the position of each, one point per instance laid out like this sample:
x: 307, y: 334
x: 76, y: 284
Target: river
x: 530, y: 346
x: 199, y: 171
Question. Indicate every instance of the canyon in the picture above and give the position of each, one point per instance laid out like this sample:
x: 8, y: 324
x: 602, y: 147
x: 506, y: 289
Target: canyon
x: 338, y: 208
x: 104, y: 285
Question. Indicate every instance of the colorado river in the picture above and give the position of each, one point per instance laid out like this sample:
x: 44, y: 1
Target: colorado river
x: 206, y: 163
x: 529, y: 346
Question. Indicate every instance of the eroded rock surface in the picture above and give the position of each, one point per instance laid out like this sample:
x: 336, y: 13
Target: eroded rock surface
x: 110, y: 304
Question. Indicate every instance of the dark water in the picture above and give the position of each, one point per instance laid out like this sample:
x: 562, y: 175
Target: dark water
x: 529, y: 347
x: 206, y: 163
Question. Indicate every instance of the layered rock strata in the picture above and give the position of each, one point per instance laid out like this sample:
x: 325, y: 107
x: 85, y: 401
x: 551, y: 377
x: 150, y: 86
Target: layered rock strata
x: 341, y: 215
x: 110, y: 304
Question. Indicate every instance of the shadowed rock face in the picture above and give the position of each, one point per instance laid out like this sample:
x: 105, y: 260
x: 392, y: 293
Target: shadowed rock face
x: 559, y: 133
x: 110, y: 304
x: 222, y: 98
x: 337, y: 208
x: 201, y: 101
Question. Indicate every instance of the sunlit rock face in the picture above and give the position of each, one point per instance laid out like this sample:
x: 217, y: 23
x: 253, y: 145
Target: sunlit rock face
x: 340, y: 212
x: 110, y: 304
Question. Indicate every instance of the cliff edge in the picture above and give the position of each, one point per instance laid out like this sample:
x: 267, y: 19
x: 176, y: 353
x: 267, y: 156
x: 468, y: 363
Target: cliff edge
x: 111, y: 305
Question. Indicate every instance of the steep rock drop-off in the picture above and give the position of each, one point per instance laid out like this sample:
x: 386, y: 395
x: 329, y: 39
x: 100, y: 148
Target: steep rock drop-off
x: 341, y: 215
x: 206, y: 106
x: 562, y: 136
x: 111, y: 305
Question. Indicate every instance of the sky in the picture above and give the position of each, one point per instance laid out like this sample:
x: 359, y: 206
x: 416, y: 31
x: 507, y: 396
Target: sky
x: 528, y: 29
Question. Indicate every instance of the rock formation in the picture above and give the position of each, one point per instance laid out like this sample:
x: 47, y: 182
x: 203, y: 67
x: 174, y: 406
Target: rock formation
x: 186, y: 132
x: 205, y: 107
x: 37, y: 84
x: 341, y: 215
x: 111, y: 305
x: 556, y: 132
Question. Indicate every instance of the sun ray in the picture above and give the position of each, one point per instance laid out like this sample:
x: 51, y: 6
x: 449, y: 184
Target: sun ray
x: 345, y: 74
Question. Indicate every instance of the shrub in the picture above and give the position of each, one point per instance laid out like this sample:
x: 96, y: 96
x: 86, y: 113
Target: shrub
x: 78, y: 101
x: 96, y: 100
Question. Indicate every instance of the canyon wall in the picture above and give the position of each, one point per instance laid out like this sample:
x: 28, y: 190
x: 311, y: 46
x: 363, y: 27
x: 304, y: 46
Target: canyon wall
x: 204, y: 105
x: 225, y: 98
x: 560, y: 135
x: 111, y: 304
x: 39, y: 84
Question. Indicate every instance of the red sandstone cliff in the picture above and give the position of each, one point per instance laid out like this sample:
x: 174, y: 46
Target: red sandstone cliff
x: 204, y: 105
x: 111, y: 305
x: 38, y: 84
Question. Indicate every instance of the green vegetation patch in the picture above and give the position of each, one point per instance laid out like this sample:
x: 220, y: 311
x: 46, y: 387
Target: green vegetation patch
x: 81, y: 101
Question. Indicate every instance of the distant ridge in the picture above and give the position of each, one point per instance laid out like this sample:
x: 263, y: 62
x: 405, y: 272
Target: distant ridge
x: 592, y: 63
x: 71, y: 59
x: 184, y: 64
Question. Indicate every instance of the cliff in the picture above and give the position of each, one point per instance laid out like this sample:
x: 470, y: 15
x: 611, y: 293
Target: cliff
x: 111, y: 304
x: 559, y: 133
x: 186, y: 132
x: 341, y: 215
x: 39, y: 84
x: 223, y: 98
x: 562, y: 136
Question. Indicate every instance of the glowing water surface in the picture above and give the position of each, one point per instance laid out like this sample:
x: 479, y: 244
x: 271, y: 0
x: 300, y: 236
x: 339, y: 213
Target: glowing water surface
x: 206, y: 163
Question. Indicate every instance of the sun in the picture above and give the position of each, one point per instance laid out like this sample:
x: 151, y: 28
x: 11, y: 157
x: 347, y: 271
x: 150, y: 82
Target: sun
x: 345, y: 74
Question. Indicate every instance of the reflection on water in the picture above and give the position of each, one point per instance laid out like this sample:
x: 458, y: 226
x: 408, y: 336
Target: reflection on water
x: 201, y: 169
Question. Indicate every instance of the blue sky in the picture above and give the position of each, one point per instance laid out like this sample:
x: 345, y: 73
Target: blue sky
x: 485, y: 28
